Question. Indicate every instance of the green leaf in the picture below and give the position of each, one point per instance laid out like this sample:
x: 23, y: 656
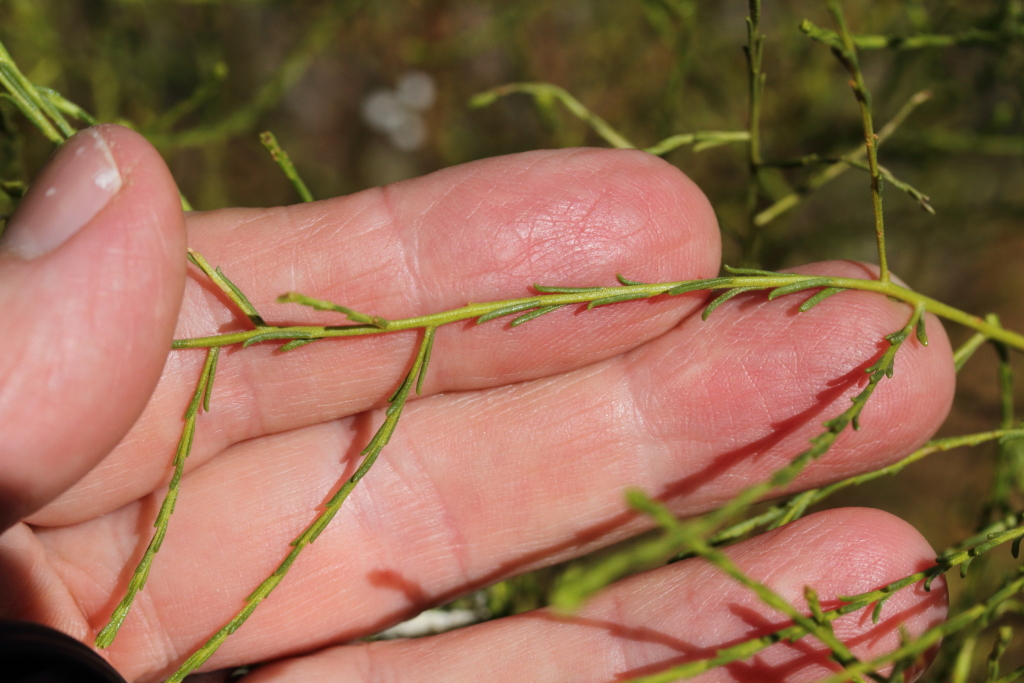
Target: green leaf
x: 508, y: 310
x: 876, y: 613
x: 697, y: 285
x: 626, y: 282
x: 533, y: 314
x: 723, y: 298
x: 818, y: 298
x: 545, y: 289
x: 631, y: 296
x: 810, y: 283
x: 747, y: 271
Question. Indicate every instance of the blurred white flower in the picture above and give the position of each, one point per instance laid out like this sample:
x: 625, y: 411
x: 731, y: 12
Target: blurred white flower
x: 396, y: 113
x: 416, y: 90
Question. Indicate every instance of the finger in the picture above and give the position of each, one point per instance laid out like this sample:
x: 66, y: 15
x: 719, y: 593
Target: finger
x: 678, y: 614
x: 474, y: 488
x: 91, y: 276
x: 476, y: 232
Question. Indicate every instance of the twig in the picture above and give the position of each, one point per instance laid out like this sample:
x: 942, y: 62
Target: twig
x: 846, y: 52
x: 825, y: 176
x: 269, y: 142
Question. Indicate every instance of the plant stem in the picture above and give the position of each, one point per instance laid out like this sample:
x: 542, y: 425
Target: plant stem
x: 572, y: 593
x: 1005, y: 474
x: 543, y: 92
x: 200, y: 398
x: 820, y: 627
x: 38, y: 109
x: 924, y: 642
x: 547, y: 91
x: 914, y: 42
x: 828, y: 174
x: 751, y: 647
x: 848, y: 56
x: 589, y: 295
x: 269, y: 142
x: 313, y: 531
x: 815, y: 496
x: 754, y: 51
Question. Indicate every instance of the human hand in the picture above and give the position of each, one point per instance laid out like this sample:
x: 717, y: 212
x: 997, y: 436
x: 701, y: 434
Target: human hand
x: 516, y: 456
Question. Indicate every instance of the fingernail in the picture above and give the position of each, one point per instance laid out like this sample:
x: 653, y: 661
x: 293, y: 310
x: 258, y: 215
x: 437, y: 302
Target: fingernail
x: 73, y: 187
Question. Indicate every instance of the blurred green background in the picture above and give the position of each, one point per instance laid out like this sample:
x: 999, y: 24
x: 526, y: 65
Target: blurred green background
x: 203, y: 78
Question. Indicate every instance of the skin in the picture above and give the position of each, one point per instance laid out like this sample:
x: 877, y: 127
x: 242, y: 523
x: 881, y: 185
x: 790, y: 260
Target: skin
x: 516, y: 456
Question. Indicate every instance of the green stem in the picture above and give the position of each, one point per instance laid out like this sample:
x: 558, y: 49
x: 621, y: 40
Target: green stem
x: 779, y: 514
x: 313, y: 531
x: 573, y: 592
x: 542, y: 91
x: 596, y: 294
x: 106, y: 636
x: 932, y: 636
x: 819, y: 627
x: 914, y: 42
x: 28, y: 99
x: 751, y: 647
x: 701, y: 140
x: 1005, y: 472
x: 830, y: 173
x: 848, y: 56
x: 755, y: 81
x: 754, y: 51
x: 284, y: 162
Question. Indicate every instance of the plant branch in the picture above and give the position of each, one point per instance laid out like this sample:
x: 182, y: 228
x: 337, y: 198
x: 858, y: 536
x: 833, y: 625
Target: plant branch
x: 846, y: 52
x: 283, y: 161
x: 572, y: 593
x: 817, y: 625
x: 980, y: 612
x: 832, y: 172
x: 854, y: 603
x: 27, y: 97
x: 556, y: 297
x: 754, y: 51
x: 200, y: 398
x: 544, y: 93
x: 373, y: 449
x: 914, y: 42
x: 795, y: 507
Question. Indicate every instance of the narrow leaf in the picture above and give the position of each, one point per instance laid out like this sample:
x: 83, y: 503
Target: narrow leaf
x: 723, y: 298
x: 533, y: 314
x: 240, y: 299
x: 210, y: 374
x: 922, y: 332
x: 295, y: 343
x: 799, y: 286
x: 545, y: 289
x: 696, y: 285
x: 632, y: 296
x: 427, y: 347
x: 747, y: 271
x: 818, y: 298
x: 508, y: 310
x: 876, y: 613
x: 276, y: 334
x: 626, y: 282
x: 321, y: 305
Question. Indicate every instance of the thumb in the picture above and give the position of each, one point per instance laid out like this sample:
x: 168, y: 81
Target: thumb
x: 92, y: 268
